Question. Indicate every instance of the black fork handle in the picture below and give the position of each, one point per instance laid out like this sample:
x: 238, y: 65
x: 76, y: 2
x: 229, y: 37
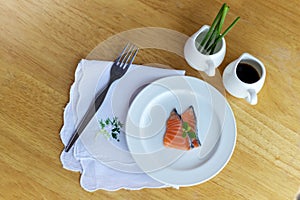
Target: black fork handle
x: 93, y: 108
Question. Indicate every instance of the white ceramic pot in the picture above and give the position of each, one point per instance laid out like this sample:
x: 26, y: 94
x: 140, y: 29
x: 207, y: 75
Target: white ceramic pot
x: 200, y: 61
x: 239, y: 88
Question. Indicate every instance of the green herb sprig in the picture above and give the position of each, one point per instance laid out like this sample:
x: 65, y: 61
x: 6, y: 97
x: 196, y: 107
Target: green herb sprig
x: 214, y: 35
x: 110, y: 128
x: 187, y: 131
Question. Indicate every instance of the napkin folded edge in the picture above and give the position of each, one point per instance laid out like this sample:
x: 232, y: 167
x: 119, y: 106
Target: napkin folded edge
x: 68, y: 160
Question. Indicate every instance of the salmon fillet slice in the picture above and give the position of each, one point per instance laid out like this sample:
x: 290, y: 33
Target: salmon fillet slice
x: 173, y: 136
x: 189, y: 117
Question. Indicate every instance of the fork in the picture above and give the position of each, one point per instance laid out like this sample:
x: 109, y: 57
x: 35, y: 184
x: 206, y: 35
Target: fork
x: 118, y: 69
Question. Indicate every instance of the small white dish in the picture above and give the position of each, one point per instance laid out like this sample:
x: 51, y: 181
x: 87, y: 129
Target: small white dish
x: 145, y: 128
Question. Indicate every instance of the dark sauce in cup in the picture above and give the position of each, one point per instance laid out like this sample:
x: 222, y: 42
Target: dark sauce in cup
x: 247, y: 73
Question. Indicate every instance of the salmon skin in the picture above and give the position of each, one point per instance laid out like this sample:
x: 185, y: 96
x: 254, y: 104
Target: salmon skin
x: 189, y: 117
x: 181, y: 131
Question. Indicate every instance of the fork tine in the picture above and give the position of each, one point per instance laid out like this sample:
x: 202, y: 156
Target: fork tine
x: 126, y: 56
x: 136, y: 51
x: 122, y: 53
x: 118, y: 69
x: 131, y: 57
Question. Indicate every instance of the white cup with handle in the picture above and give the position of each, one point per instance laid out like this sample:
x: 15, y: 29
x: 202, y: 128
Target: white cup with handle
x: 200, y: 61
x: 245, y: 77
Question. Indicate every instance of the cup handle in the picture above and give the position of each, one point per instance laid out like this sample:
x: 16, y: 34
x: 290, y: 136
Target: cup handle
x: 210, y: 70
x: 252, y: 97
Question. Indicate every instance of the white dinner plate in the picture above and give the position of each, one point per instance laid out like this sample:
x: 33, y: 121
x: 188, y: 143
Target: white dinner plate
x: 146, y: 125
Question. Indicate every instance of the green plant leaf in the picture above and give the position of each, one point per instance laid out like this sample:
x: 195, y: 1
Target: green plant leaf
x: 212, y: 48
x: 214, y: 36
x: 221, y: 22
x: 102, y: 124
x: 185, y: 125
x: 114, y: 135
x: 113, y: 125
x: 192, y: 135
x: 212, y: 28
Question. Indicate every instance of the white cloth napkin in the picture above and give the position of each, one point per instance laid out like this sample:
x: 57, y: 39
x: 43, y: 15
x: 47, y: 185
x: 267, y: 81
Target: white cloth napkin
x: 94, y: 173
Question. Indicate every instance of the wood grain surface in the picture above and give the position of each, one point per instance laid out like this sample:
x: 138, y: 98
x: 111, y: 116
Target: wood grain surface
x: 41, y: 42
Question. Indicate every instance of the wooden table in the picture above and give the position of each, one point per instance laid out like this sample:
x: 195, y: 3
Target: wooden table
x: 42, y: 42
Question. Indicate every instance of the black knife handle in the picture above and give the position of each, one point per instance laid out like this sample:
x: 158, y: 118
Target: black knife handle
x: 88, y: 116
